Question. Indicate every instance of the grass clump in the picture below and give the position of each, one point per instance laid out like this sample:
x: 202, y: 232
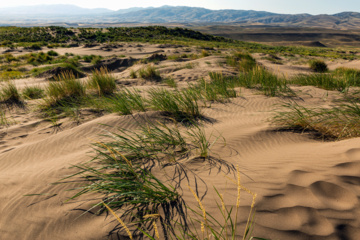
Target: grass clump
x: 339, y: 122
x: 242, y: 61
x: 124, y: 182
x: 170, y: 82
x: 103, y: 82
x: 133, y: 74
x: 126, y: 102
x: 4, y: 121
x: 9, y: 94
x: 270, y: 84
x: 33, y: 92
x: 324, y: 81
x: 341, y: 80
x: 318, y: 66
x: 149, y: 73
x: 180, y: 105
x: 65, y: 90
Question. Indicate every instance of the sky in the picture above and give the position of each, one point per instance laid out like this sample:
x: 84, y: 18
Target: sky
x: 276, y: 6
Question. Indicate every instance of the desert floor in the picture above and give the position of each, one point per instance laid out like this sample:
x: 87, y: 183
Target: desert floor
x: 307, y: 188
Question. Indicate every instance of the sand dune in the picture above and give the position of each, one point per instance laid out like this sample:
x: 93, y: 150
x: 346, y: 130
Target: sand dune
x: 307, y: 188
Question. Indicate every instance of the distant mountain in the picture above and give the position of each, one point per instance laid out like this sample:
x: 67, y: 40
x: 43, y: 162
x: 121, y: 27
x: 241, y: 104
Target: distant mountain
x: 189, y: 14
x: 77, y: 16
x: 52, y: 10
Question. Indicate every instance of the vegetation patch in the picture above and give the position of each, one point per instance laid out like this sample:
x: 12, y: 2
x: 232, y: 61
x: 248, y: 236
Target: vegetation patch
x: 318, y: 66
x: 33, y: 92
x: 338, y: 122
x: 103, y: 82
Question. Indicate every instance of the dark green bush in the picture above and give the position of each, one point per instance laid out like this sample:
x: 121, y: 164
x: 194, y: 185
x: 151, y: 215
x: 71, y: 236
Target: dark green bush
x: 318, y: 66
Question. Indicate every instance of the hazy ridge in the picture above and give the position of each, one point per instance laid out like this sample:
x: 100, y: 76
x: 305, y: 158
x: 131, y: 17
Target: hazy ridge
x: 57, y: 14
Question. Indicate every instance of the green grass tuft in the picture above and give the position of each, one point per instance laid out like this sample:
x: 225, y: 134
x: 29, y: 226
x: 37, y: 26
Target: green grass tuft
x: 103, y: 82
x: 33, y: 92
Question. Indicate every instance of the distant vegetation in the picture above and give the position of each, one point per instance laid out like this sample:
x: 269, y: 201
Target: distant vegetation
x: 53, y: 34
x: 36, y: 37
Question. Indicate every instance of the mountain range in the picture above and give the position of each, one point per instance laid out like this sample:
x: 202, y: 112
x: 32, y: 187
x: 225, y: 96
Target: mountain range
x: 55, y: 14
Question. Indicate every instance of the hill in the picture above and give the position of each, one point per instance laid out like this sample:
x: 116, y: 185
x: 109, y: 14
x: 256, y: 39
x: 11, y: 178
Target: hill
x: 69, y: 14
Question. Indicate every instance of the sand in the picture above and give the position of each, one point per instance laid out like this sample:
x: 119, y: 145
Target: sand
x: 308, y: 189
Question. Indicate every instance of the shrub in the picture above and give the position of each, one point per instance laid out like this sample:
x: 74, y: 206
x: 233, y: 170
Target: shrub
x: 52, y: 53
x: 35, y: 47
x: 318, y: 66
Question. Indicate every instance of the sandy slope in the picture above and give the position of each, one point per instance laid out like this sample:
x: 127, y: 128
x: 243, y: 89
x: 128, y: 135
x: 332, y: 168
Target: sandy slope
x: 307, y: 188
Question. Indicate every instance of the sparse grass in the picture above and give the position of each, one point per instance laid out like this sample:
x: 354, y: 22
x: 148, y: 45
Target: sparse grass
x: 4, y: 121
x: 170, y: 82
x: 242, y: 61
x: 126, y: 102
x: 39, y: 70
x: 149, y: 73
x: 205, y: 53
x: 339, y: 122
x: 212, y: 227
x: 259, y: 78
x: 340, y: 80
x: 9, y: 94
x: 191, y: 65
x: 10, y: 74
x: 180, y: 105
x: 65, y: 90
x: 123, y: 182
x: 103, y: 82
x: 201, y: 141
x: 133, y: 74
x: 33, y: 92
x: 174, y: 57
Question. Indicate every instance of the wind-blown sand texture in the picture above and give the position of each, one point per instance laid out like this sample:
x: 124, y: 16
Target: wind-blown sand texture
x: 308, y: 189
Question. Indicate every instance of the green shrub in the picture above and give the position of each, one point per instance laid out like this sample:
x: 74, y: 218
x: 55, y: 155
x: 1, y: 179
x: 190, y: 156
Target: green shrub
x: 35, y: 46
x: 318, y: 66
x: 52, y: 53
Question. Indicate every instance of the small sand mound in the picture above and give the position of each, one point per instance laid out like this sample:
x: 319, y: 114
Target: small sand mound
x: 55, y: 72
x: 314, y: 44
x: 112, y: 64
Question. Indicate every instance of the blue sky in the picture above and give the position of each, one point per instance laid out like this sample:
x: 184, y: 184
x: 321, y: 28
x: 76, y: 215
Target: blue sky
x: 278, y: 6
